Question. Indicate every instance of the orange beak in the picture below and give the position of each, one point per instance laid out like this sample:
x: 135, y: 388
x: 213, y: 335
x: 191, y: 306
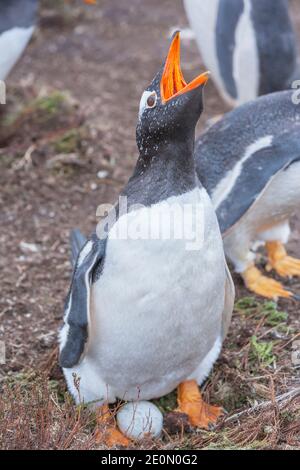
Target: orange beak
x: 173, y: 83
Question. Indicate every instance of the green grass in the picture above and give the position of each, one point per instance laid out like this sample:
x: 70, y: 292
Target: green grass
x: 273, y: 316
x: 267, y: 310
x: 50, y: 103
x: 69, y: 142
x: 167, y: 403
x: 261, y: 352
x: 43, y: 108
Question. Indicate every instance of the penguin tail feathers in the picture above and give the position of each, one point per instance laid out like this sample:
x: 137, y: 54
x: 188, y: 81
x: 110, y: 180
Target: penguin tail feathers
x: 77, y: 240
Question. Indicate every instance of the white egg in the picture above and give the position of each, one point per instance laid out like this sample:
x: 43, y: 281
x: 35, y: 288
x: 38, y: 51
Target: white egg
x: 136, y: 419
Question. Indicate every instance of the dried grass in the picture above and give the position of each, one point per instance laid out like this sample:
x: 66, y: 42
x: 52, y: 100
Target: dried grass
x: 32, y: 416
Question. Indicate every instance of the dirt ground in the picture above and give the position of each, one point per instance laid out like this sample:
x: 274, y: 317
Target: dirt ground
x: 73, y: 147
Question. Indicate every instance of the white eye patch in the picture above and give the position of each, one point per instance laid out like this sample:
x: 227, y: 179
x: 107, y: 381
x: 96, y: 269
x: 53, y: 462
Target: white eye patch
x: 148, y: 100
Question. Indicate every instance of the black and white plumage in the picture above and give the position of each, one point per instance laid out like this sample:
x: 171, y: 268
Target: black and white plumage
x: 144, y: 314
x: 250, y: 164
x: 78, y: 240
x: 17, y: 22
x: 248, y: 45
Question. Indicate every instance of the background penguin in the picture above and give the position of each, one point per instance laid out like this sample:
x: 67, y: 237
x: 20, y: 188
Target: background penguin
x: 17, y: 21
x: 250, y: 164
x: 248, y: 45
x: 144, y: 316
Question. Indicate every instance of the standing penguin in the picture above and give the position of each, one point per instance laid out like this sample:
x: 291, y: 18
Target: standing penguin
x: 146, y: 314
x: 17, y: 22
x: 248, y: 45
x: 250, y: 164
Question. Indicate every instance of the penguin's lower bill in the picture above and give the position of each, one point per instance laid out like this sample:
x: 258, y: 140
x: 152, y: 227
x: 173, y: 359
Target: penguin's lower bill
x: 173, y: 83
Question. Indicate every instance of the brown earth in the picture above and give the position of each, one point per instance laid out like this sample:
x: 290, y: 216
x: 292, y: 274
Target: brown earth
x: 103, y: 56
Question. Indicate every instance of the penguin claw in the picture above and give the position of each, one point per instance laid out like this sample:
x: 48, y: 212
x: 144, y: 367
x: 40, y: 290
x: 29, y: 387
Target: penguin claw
x: 261, y: 285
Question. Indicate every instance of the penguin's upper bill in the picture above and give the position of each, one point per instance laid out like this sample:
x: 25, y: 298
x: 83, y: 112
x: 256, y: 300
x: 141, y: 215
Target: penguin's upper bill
x: 173, y: 83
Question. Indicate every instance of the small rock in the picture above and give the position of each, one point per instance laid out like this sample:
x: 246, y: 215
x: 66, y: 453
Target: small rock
x: 102, y: 174
x: 29, y: 247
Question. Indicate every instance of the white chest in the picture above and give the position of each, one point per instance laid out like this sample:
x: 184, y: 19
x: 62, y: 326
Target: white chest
x: 279, y: 201
x: 246, y: 58
x: 157, y: 306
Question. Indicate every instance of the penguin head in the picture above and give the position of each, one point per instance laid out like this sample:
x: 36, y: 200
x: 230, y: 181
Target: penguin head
x: 170, y: 107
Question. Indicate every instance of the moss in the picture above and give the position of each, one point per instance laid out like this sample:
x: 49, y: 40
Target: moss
x: 167, y: 403
x: 273, y: 317
x: 7, y: 160
x: 39, y: 110
x: 261, y: 352
x: 50, y: 103
x: 245, y: 304
x: 250, y: 306
x: 69, y: 142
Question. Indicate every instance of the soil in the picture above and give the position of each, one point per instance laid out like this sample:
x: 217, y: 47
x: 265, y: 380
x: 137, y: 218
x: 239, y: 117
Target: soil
x: 103, y: 57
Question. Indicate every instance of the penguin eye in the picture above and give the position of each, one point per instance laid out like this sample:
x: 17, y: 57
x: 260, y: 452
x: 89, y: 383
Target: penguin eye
x: 151, y: 100
x: 148, y: 100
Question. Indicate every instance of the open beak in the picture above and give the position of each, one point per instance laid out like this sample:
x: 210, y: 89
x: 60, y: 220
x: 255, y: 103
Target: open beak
x: 173, y: 83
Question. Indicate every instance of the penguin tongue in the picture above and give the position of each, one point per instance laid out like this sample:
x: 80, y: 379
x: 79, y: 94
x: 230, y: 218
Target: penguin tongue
x: 173, y: 83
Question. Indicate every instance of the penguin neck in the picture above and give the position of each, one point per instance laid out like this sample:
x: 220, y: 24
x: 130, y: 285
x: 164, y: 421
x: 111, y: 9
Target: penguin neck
x: 169, y: 157
x: 162, y: 171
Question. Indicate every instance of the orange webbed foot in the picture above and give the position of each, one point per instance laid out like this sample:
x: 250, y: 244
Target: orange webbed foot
x: 261, y: 285
x: 190, y: 402
x: 107, y: 432
x: 278, y: 259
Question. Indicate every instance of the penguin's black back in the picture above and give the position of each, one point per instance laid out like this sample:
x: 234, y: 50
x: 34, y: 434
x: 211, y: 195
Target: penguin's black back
x: 224, y: 146
x: 276, y: 43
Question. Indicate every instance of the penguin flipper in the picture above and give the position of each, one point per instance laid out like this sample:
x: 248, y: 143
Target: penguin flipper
x: 77, y: 309
x: 256, y: 175
x: 77, y: 241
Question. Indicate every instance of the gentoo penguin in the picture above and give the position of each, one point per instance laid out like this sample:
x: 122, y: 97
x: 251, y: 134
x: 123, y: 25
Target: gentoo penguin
x: 149, y: 305
x: 250, y: 164
x: 248, y: 45
x: 17, y: 21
